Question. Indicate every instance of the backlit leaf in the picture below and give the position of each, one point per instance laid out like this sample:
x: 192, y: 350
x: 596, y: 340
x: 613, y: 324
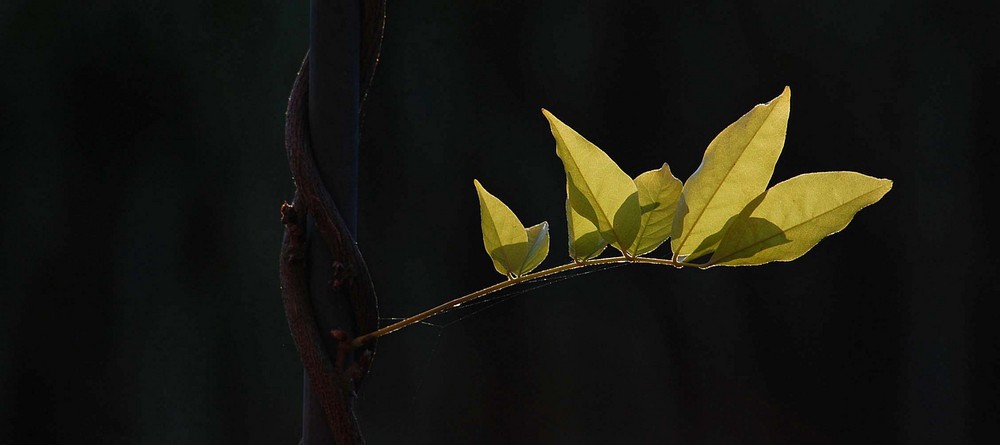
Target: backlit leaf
x: 503, y: 234
x: 659, y: 192
x: 538, y: 247
x: 736, y: 168
x: 789, y: 219
x: 611, y: 200
x: 585, y: 241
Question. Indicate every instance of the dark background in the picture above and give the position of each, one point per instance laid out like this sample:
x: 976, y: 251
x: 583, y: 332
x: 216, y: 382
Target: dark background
x: 143, y: 169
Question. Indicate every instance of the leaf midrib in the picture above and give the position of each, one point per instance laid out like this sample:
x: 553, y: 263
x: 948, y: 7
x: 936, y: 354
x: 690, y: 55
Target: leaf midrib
x: 783, y: 231
x: 723, y: 181
x: 572, y: 160
x: 643, y: 225
x: 501, y: 249
x: 531, y: 248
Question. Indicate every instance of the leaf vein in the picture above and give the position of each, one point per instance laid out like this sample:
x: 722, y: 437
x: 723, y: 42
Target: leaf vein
x: 785, y: 231
x: 681, y: 245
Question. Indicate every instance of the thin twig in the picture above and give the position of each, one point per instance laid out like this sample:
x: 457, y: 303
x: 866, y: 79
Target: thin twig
x: 453, y: 304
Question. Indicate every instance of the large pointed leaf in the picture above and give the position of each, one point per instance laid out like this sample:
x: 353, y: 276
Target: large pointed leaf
x: 503, y: 234
x: 585, y: 241
x: 538, y: 247
x: 659, y: 191
x: 609, y: 192
x: 790, y: 218
x: 736, y: 168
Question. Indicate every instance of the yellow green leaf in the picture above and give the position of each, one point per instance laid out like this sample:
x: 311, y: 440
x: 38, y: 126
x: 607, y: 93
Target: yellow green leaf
x: 659, y: 191
x: 585, y: 241
x: 736, y: 168
x: 538, y: 247
x: 503, y: 234
x: 785, y: 222
x: 611, y: 199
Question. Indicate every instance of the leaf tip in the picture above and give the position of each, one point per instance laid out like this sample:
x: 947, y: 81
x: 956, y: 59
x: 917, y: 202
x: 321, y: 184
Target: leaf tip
x: 551, y: 118
x: 785, y: 96
x: 886, y: 184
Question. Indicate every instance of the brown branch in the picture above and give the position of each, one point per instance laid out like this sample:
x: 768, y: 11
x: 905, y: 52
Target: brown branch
x: 349, y: 267
x: 334, y: 381
x: 330, y: 386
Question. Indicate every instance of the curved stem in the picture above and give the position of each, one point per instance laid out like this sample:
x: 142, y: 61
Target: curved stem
x: 445, y: 307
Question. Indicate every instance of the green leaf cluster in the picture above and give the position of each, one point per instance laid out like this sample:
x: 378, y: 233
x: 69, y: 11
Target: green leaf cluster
x: 724, y: 214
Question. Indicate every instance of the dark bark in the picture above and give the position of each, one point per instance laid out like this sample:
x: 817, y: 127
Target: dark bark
x: 333, y: 129
x: 326, y: 289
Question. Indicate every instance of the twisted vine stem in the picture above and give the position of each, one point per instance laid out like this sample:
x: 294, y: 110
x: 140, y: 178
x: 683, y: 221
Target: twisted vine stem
x: 334, y: 381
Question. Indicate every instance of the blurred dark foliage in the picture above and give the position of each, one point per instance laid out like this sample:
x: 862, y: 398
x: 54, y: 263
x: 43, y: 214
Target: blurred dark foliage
x: 143, y: 169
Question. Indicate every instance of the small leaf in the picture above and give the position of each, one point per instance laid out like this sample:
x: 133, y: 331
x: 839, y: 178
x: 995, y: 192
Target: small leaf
x: 659, y: 192
x: 736, y: 168
x: 503, y: 234
x: 585, y: 241
x: 786, y: 221
x: 611, y: 200
x: 538, y: 247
